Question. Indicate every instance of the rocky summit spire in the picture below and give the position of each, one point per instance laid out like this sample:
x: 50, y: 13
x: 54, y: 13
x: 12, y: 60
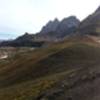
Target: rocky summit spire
x: 50, y: 26
x: 56, y: 20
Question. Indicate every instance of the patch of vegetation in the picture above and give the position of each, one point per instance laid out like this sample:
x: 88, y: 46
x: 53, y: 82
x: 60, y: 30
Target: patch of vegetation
x: 27, y: 74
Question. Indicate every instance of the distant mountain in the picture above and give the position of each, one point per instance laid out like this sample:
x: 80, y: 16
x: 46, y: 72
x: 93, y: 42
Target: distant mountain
x: 53, y: 31
x: 91, y: 25
x: 25, y: 40
x: 59, y: 29
x: 51, y: 26
x: 25, y: 37
x: 67, y: 26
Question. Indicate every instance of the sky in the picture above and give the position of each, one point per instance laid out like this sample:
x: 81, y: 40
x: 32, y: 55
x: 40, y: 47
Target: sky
x: 20, y: 16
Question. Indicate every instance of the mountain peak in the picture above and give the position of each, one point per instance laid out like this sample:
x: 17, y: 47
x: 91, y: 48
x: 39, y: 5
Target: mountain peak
x: 56, y: 20
x: 26, y: 33
x: 70, y: 20
x: 59, y: 29
x: 50, y: 26
x: 71, y: 17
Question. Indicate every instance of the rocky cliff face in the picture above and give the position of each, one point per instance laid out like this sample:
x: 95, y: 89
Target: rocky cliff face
x: 67, y: 26
x: 91, y: 25
x: 51, y: 26
x: 58, y: 29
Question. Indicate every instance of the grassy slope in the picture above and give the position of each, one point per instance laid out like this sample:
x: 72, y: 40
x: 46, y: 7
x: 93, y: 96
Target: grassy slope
x: 42, y: 69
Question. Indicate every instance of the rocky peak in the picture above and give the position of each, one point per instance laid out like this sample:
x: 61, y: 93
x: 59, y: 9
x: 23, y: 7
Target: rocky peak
x: 61, y: 28
x: 56, y: 20
x: 67, y: 26
x: 26, y: 33
x: 50, y: 26
x: 70, y: 21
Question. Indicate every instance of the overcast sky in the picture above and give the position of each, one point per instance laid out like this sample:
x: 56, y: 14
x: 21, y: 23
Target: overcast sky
x: 20, y: 16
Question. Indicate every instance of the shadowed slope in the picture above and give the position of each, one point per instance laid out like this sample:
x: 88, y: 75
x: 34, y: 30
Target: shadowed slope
x: 34, y: 72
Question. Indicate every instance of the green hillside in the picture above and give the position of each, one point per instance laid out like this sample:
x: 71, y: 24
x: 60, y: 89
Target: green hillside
x: 27, y: 75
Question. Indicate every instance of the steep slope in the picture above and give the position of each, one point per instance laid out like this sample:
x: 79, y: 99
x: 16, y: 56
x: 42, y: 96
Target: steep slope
x: 32, y: 74
x: 91, y: 25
